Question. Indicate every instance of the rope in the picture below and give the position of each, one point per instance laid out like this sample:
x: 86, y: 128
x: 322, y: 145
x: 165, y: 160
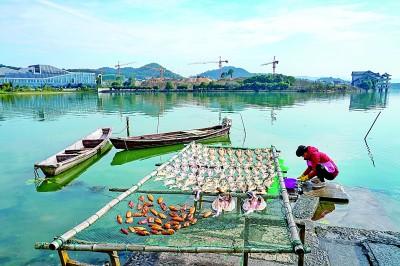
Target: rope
x: 120, y: 131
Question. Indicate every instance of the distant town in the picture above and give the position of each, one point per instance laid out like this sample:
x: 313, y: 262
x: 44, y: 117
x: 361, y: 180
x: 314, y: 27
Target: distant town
x: 155, y: 77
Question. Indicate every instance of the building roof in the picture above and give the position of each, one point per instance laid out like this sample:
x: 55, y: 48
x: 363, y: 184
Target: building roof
x: 34, y: 71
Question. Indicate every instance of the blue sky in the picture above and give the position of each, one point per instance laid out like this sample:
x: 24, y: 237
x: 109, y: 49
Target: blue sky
x: 310, y: 38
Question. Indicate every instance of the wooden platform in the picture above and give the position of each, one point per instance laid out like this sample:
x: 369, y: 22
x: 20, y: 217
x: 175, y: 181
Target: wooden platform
x: 333, y: 192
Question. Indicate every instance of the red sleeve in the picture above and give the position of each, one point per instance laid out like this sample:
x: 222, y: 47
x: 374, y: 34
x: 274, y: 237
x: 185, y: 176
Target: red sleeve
x: 307, y: 170
x: 315, y: 160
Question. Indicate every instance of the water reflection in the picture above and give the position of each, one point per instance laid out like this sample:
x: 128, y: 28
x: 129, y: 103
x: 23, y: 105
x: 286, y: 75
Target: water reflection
x: 49, y: 107
x: 368, y: 100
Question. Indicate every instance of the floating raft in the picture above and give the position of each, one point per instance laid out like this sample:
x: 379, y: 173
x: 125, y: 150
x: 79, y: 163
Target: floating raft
x: 271, y: 230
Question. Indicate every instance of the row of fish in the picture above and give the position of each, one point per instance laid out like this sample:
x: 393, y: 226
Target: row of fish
x: 195, y: 169
x: 166, y: 220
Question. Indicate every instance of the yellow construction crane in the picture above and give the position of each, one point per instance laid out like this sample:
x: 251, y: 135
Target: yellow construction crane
x: 274, y: 63
x: 219, y: 62
x: 118, y: 66
x: 161, y: 69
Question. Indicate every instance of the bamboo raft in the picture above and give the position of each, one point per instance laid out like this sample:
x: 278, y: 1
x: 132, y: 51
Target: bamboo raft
x: 270, y: 231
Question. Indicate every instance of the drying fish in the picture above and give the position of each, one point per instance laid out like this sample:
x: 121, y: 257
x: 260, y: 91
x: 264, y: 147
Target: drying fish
x: 141, y: 198
x: 192, y: 210
x: 157, y: 227
x: 173, y: 208
x: 162, y: 215
x: 148, y: 204
x: 133, y: 229
x: 160, y: 200
x: 139, y: 207
x: 144, y: 221
x: 131, y: 204
x: 129, y: 220
x: 137, y: 214
x: 158, y: 221
x: 167, y: 226
x: 128, y: 214
x: 178, y: 219
x: 207, y: 214
x: 193, y: 221
x: 223, y: 203
x: 177, y: 227
x: 124, y: 231
x: 163, y: 206
x: 153, y: 211
x: 150, y: 220
x: 119, y: 219
x: 186, y: 224
x: 253, y: 203
x: 142, y: 233
x: 150, y: 197
x: 155, y: 232
x: 145, y: 210
x: 168, y: 232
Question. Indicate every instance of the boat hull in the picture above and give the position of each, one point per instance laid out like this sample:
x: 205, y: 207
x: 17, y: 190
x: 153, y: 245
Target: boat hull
x: 54, y: 169
x: 136, y: 143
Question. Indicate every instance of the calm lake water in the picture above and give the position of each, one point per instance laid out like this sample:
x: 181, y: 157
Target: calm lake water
x: 35, y: 127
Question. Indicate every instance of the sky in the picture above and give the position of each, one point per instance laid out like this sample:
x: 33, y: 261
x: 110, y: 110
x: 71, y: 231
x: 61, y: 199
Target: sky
x: 309, y: 38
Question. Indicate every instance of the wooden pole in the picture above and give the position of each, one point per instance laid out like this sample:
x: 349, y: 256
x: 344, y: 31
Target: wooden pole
x: 158, y: 121
x: 181, y: 192
x: 294, y: 234
x: 108, y: 247
x: 127, y: 126
x: 376, y: 118
x: 59, y: 241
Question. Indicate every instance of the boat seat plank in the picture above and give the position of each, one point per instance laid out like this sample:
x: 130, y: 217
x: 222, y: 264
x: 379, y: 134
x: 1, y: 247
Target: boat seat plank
x: 64, y: 157
x: 72, y: 151
x: 91, y: 143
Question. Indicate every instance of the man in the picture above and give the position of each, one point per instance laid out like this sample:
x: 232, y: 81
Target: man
x: 319, y: 166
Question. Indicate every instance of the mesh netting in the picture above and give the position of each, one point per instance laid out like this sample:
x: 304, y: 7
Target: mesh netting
x: 264, y: 231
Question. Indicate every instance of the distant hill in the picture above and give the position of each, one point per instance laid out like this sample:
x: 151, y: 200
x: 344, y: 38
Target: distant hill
x: 11, y: 67
x: 237, y: 73
x: 144, y: 72
x: 307, y: 78
x: 330, y: 80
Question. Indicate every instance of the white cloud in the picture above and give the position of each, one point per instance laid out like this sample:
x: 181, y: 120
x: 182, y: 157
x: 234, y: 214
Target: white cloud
x: 52, y: 28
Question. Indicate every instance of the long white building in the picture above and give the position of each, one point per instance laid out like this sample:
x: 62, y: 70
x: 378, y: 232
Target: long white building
x: 41, y: 75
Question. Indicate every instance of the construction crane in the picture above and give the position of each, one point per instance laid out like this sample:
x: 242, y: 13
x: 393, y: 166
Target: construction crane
x: 161, y: 69
x: 118, y: 66
x: 219, y: 62
x: 274, y: 63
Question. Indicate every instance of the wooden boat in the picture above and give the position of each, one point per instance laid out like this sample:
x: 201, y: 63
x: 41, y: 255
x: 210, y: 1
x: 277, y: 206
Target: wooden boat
x: 58, y: 182
x: 78, y: 152
x: 172, y: 138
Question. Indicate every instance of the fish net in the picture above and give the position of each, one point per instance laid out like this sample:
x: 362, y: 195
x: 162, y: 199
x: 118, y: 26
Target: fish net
x: 201, y: 168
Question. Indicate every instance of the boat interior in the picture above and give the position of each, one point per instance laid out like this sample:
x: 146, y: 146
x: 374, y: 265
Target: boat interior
x: 80, y: 147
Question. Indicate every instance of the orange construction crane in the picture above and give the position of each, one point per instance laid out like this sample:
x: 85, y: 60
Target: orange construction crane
x: 274, y: 63
x: 219, y: 62
x: 161, y: 69
x: 118, y: 66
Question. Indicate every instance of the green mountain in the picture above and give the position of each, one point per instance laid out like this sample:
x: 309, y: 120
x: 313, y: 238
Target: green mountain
x: 151, y: 70
x: 237, y: 73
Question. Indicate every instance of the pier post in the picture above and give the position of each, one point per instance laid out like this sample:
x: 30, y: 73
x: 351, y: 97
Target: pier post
x: 127, y: 126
